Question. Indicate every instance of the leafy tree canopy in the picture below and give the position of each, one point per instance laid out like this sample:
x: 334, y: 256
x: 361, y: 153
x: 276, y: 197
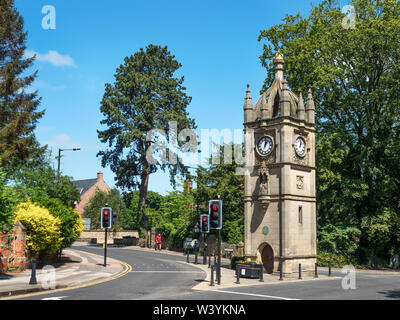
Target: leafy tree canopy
x: 146, y: 95
x: 355, y: 78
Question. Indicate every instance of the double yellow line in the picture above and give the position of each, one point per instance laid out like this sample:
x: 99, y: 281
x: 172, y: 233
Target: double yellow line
x: 127, y: 266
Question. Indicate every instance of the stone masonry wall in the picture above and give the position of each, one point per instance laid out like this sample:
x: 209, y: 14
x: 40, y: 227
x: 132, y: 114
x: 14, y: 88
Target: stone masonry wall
x: 99, y: 235
x: 13, y: 253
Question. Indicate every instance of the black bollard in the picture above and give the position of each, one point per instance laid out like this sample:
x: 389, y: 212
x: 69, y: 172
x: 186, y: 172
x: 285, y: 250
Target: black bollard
x: 33, y: 274
x: 237, y: 274
x: 280, y: 271
x: 209, y: 260
x: 212, y: 276
x: 195, y: 257
x: 299, y: 271
x: 187, y: 257
x: 261, y: 273
x: 316, y: 270
x: 329, y: 269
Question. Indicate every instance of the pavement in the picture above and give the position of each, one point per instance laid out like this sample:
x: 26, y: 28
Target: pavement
x: 75, y: 269
x: 79, y: 269
x: 228, y: 276
x: 229, y: 279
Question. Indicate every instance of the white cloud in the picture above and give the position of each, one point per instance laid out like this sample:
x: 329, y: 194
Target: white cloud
x: 52, y: 57
x: 63, y: 141
x: 40, y: 84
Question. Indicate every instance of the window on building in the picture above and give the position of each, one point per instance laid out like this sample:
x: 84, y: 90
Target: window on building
x: 300, y: 214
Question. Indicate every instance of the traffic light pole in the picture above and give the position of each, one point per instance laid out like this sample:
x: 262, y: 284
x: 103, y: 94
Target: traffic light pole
x: 205, y: 250
x: 219, y: 257
x: 105, y: 248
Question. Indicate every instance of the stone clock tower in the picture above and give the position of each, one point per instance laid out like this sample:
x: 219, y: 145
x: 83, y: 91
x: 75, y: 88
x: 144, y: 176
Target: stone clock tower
x: 280, y: 203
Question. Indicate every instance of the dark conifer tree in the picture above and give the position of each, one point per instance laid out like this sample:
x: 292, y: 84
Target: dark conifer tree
x: 18, y: 105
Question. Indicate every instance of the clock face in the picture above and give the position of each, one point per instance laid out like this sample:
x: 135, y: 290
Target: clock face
x: 300, y: 147
x: 264, y: 145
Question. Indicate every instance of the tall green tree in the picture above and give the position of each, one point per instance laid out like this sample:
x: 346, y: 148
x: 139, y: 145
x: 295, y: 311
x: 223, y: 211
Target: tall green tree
x: 354, y: 72
x: 42, y: 181
x: 175, y: 219
x: 222, y: 180
x: 146, y: 95
x: 115, y: 201
x: 18, y: 105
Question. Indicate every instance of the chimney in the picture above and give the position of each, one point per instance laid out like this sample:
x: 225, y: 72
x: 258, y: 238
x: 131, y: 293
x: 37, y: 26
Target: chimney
x: 99, y: 176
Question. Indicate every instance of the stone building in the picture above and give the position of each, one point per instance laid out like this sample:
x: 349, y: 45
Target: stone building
x: 87, y: 189
x: 280, y: 202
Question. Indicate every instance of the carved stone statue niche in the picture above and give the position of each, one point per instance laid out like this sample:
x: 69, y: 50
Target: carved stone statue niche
x: 264, y: 177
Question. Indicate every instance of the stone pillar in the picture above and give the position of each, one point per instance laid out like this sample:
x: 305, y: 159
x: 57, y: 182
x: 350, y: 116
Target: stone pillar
x: 18, y: 246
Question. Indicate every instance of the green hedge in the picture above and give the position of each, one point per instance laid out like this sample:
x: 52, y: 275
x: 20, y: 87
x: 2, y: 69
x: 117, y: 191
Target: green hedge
x: 337, y: 260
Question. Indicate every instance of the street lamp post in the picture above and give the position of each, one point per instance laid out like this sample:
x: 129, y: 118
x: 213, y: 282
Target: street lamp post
x: 59, y: 159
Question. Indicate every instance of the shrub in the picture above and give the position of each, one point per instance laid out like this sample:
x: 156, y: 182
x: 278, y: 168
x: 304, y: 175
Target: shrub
x: 43, y: 229
x: 337, y: 260
x: 71, y: 223
x: 339, y: 240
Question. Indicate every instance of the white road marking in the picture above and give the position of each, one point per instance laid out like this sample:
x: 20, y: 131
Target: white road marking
x: 55, y: 298
x: 254, y: 295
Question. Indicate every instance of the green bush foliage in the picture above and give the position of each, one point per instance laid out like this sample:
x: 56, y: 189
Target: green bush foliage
x: 337, y: 260
x: 176, y: 216
x: 338, y: 240
x: 71, y: 223
x: 114, y: 200
x: 8, y: 201
x: 43, y: 233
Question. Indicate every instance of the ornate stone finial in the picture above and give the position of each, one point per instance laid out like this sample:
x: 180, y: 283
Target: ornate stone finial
x: 310, y: 108
x: 301, y: 110
x: 248, y: 106
x: 248, y: 93
x: 279, y: 57
x: 279, y: 63
x: 247, y: 100
x: 285, y: 99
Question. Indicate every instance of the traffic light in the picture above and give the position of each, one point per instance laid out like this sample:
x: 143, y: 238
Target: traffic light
x: 205, y: 223
x: 106, y: 217
x: 215, y: 213
x: 114, y: 217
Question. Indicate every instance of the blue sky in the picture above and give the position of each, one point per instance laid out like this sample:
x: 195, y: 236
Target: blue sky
x: 215, y: 41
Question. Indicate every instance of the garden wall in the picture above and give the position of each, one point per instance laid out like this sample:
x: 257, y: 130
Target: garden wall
x: 13, y: 249
x: 88, y: 235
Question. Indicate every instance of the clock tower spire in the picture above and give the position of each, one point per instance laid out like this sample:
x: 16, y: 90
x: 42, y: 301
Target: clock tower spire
x: 280, y: 202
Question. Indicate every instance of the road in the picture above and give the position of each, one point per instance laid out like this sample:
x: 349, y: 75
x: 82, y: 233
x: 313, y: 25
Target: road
x: 167, y: 277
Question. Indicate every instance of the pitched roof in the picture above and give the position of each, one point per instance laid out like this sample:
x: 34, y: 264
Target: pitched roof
x: 84, y: 185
